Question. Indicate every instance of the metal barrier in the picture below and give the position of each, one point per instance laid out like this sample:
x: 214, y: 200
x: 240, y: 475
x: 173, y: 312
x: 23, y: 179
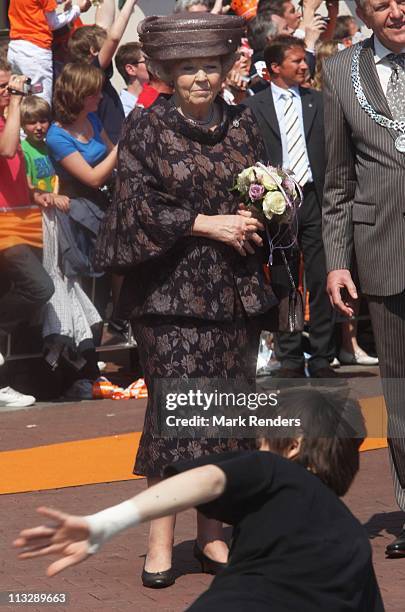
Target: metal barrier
x: 128, y: 343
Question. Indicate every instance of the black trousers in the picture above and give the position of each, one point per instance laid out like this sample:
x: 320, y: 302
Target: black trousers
x: 25, y: 285
x: 289, y: 349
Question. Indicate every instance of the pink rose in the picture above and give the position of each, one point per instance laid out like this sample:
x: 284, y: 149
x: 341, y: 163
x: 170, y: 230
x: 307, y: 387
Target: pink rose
x: 289, y: 186
x: 256, y: 192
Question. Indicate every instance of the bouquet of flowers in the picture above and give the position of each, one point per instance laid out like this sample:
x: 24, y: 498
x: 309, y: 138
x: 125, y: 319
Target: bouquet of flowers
x: 272, y: 192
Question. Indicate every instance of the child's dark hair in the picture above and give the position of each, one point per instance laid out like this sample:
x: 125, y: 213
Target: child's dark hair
x: 332, y: 430
x: 131, y: 53
x: 34, y: 108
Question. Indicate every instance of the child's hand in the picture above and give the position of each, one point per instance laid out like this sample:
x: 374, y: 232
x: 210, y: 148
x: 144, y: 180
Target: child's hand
x: 68, y: 539
x: 45, y: 200
x: 61, y: 202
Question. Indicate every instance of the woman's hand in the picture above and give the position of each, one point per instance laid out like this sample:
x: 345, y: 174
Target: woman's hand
x: 234, y: 230
x: 313, y: 31
x: 69, y: 539
x: 252, y: 236
x: 16, y: 87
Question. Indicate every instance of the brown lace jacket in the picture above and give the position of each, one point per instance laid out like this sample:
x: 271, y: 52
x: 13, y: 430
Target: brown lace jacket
x: 168, y: 172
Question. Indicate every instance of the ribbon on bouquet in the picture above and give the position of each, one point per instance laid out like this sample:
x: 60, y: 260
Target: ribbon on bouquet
x: 275, y: 242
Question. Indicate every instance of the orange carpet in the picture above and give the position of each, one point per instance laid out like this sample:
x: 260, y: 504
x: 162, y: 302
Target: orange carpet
x: 69, y: 464
x: 111, y: 458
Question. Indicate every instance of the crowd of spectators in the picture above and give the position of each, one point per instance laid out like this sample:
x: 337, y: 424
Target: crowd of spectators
x: 60, y: 124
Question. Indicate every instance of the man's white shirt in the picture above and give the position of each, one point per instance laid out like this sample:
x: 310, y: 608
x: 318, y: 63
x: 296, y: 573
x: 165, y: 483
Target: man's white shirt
x: 279, y: 105
x: 383, y: 65
x: 128, y: 100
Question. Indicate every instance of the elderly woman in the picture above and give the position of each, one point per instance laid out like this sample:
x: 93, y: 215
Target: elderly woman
x: 194, y: 287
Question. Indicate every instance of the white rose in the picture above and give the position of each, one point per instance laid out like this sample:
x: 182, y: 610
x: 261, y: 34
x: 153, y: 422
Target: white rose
x: 259, y: 172
x: 245, y: 178
x: 265, y: 179
x: 269, y: 183
x: 273, y: 204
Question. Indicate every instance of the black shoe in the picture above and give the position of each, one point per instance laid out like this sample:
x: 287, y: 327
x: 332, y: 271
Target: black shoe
x: 158, y: 580
x: 397, y: 548
x: 326, y: 372
x: 289, y: 373
x: 208, y: 566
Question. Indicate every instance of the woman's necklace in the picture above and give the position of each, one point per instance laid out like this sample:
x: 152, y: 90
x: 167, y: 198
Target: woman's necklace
x: 199, y: 122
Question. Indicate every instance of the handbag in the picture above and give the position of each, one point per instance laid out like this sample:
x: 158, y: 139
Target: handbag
x: 288, y: 315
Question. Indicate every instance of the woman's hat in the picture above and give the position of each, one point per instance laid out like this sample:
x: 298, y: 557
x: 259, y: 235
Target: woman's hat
x: 184, y: 35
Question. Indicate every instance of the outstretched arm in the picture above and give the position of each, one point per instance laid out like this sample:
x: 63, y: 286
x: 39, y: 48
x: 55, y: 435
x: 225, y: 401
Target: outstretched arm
x: 105, y: 14
x: 56, y: 21
x: 115, y: 33
x: 74, y: 538
x: 94, y: 177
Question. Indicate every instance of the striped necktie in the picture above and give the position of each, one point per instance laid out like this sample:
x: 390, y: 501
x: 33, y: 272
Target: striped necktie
x: 297, y: 152
x: 396, y: 86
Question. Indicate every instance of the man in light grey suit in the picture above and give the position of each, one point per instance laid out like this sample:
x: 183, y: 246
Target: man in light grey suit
x: 364, y: 201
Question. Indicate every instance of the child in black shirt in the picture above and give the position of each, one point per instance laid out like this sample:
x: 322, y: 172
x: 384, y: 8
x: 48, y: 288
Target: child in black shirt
x: 296, y: 546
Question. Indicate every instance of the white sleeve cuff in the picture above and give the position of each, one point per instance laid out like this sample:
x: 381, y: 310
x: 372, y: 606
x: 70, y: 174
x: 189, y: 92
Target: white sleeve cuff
x: 58, y: 20
x: 107, y: 523
x: 298, y: 33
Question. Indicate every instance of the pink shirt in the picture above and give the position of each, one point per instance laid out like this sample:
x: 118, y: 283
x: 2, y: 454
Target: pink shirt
x: 13, y: 180
x: 20, y: 220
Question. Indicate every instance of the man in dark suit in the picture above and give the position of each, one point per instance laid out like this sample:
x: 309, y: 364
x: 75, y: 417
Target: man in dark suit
x: 364, y: 201
x: 291, y: 121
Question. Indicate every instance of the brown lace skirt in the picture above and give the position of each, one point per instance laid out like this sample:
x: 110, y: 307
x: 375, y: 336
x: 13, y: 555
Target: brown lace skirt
x: 171, y: 347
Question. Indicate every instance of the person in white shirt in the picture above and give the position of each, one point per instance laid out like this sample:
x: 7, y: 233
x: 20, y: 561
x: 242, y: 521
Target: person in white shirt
x: 31, y: 25
x: 363, y: 203
x: 130, y: 63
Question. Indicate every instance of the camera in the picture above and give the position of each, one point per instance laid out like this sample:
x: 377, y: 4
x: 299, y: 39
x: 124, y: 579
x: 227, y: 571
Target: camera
x: 324, y: 19
x: 30, y: 89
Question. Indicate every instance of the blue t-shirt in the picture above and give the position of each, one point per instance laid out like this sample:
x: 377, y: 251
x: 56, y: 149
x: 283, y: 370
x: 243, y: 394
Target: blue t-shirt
x: 61, y: 144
